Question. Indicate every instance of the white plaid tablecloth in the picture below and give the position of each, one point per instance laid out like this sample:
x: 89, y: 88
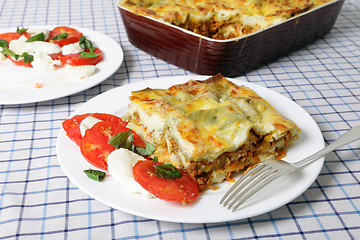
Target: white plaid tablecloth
x: 37, y: 201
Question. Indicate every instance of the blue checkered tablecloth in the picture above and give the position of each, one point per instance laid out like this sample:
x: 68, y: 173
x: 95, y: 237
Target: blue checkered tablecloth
x: 37, y: 201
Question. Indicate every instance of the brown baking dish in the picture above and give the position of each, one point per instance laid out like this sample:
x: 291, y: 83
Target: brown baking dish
x: 232, y: 57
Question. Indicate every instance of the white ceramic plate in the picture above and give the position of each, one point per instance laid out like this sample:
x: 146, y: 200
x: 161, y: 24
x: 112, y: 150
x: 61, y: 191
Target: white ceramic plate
x: 55, y: 86
x: 207, y: 209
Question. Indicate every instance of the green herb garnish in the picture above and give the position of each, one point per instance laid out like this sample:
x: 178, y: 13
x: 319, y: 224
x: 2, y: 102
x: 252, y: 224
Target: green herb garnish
x: 147, y: 150
x: 61, y: 36
x: 37, y: 37
x: 95, y: 174
x: 124, y: 140
x: 88, y: 55
x: 167, y: 171
x: 6, y: 51
x: 27, y: 57
x: 86, y: 44
x: 21, y: 30
x: 3, y: 43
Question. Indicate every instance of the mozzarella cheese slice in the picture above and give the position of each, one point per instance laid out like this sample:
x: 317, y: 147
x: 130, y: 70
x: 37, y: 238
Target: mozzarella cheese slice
x: 88, y: 123
x: 120, y: 164
x: 72, y: 49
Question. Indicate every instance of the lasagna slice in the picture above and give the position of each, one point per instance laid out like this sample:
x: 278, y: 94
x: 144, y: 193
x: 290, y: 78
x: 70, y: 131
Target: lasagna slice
x: 210, y: 128
x: 221, y: 19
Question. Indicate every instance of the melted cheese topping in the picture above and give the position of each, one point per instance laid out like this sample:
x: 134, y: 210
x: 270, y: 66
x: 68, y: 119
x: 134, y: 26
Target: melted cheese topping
x: 221, y: 19
x: 207, y: 118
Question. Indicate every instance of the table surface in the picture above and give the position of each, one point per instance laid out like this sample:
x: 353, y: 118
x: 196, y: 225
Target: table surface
x: 38, y: 201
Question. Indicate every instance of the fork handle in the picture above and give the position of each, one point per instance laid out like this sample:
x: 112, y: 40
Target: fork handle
x: 348, y: 137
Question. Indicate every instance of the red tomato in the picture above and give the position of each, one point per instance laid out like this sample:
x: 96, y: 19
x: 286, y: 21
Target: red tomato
x: 72, y: 125
x: 56, y: 56
x: 94, y: 145
x: 73, y: 35
x: 13, y: 36
x: 109, y: 117
x: 75, y: 60
x: 174, y: 189
x: 19, y: 62
x: 137, y: 141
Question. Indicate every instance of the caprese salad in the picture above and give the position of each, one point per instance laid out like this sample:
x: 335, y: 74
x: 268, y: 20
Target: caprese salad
x: 107, y: 143
x: 50, y: 49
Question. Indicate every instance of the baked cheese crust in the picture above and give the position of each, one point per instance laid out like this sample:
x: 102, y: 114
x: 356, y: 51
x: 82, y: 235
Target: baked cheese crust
x: 210, y: 128
x: 221, y: 19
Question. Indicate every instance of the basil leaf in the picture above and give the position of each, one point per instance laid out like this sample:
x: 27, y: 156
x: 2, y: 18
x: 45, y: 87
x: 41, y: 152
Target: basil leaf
x: 61, y: 36
x: 156, y: 159
x: 167, y: 171
x: 37, y: 37
x: 147, y: 150
x: 7, y: 51
x: 123, y: 140
x: 88, y: 55
x: 95, y: 174
x: 27, y: 57
x: 21, y: 30
x: 86, y: 44
x: 3, y: 43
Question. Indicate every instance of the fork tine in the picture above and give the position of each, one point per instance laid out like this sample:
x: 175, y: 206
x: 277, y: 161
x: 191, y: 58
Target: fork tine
x: 239, y: 181
x: 266, y: 178
x: 250, y: 184
x: 247, y: 178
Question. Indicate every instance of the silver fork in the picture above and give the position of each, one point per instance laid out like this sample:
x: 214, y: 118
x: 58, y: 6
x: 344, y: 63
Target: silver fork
x: 265, y: 172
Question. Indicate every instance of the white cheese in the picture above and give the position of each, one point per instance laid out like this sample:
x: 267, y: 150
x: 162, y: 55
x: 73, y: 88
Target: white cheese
x: 155, y: 123
x: 264, y: 128
x: 120, y: 164
x: 18, y: 46
x: 82, y: 71
x: 44, y: 47
x: 34, y: 31
x: 2, y: 56
x: 71, y: 49
x: 43, y: 62
x: 88, y: 123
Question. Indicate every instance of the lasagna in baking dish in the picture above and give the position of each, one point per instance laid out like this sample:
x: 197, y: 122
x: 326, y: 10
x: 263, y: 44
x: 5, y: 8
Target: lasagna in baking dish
x: 221, y: 19
x: 210, y: 128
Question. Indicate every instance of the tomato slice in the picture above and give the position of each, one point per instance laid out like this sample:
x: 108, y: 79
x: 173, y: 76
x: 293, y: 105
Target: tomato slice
x: 19, y: 62
x: 72, y: 125
x: 137, y: 141
x: 76, y: 60
x: 174, y: 189
x: 56, y: 56
x: 73, y: 35
x: 94, y: 145
x: 13, y: 36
